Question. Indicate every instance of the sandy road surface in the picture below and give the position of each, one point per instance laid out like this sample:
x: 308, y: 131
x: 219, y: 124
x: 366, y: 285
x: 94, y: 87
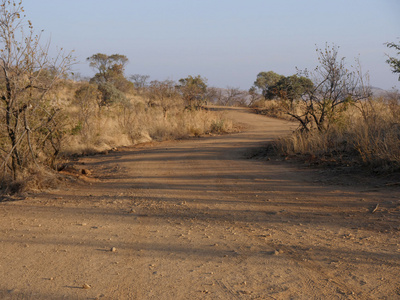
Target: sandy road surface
x: 195, y: 219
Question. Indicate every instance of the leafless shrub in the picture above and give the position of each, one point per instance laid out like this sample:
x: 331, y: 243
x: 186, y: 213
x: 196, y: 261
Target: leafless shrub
x: 368, y: 134
x: 31, y: 122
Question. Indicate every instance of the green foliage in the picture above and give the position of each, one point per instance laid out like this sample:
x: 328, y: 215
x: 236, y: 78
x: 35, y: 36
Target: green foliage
x: 193, y: 91
x: 275, y: 86
x: 266, y: 81
x: 292, y: 87
x: 110, y: 77
x: 107, y: 66
x: 110, y: 94
x: 392, y: 61
x: 86, y: 94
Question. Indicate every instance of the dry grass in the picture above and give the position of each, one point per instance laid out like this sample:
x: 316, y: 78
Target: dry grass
x: 86, y: 128
x: 119, y: 126
x: 367, y: 134
x: 271, y: 108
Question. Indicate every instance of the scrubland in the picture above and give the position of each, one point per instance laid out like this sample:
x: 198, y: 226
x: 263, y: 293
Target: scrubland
x: 94, y: 129
x: 83, y: 127
x: 366, y: 133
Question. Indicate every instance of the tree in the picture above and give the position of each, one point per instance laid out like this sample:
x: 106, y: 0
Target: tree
x: 266, y: 81
x: 291, y: 88
x: 87, y: 97
x: 193, y: 91
x: 107, y: 66
x: 30, y: 120
x: 253, y: 96
x: 335, y: 88
x: 392, y: 61
x: 163, y: 94
x: 234, y: 96
x: 110, y: 76
x: 139, y: 81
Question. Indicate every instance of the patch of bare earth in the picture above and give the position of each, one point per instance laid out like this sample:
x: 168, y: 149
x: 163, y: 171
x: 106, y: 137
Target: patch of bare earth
x: 195, y: 219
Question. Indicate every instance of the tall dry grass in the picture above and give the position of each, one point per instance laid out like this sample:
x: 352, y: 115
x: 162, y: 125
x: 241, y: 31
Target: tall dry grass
x: 86, y: 127
x: 275, y: 108
x: 367, y: 134
x: 95, y: 129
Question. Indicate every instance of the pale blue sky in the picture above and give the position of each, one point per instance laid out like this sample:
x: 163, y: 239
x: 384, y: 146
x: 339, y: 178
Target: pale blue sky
x: 227, y: 41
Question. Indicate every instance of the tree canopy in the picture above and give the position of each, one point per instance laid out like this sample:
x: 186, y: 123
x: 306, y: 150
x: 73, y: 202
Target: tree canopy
x: 292, y: 87
x: 107, y: 66
x: 273, y: 85
x: 110, y: 76
x: 266, y: 81
x: 193, y: 90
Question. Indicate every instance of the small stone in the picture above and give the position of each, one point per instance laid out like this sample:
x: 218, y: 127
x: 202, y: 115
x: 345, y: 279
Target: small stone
x: 86, y: 286
x: 86, y: 172
x: 113, y: 249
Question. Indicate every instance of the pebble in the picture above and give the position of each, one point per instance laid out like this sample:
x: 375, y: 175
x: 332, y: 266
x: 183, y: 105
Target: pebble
x: 86, y: 286
x: 113, y: 249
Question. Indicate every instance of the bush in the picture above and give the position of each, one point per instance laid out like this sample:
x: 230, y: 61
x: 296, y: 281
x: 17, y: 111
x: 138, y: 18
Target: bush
x: 368, y: 135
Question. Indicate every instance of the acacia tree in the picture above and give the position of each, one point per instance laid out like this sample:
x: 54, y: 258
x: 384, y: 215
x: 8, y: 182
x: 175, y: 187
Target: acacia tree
x: 139, y: 81
x: 265, y: 82
x: 215, y: 95
x: 193, y: 91
x: 335, y: 88
x: 110, y: 77
x: 107, y: 66
x: 163, y: 94
x: 29, y: 118
x: 234, y: 96
x: 291, y: 88
x: 87, y: 97
x: 253, y: 96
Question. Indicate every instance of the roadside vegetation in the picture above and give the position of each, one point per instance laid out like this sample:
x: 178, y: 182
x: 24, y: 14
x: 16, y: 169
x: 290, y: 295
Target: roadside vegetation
x: 46, y: 116
x: 340, y: 121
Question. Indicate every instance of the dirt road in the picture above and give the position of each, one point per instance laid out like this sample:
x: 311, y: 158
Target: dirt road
x: 196, y: 219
